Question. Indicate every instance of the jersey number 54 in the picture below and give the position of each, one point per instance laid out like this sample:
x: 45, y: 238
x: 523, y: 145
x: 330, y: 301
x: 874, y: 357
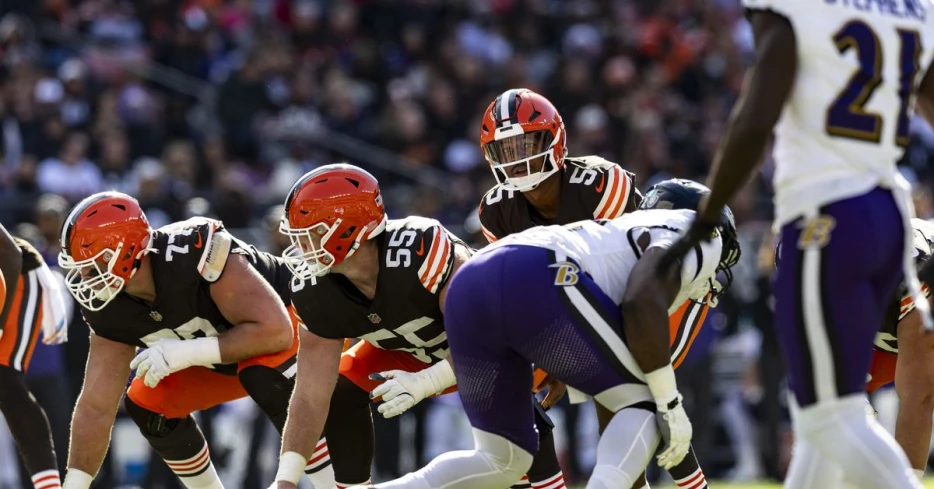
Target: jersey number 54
x: 847, y: 116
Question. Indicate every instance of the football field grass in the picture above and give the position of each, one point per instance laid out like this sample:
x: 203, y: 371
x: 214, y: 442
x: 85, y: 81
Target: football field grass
x: 928, y: 482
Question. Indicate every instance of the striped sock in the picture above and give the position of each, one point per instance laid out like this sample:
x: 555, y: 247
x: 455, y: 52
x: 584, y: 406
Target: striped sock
x: 319, y: 470
x: 197, y: 472
x: 554, y: 482
x: 694, y: 481
x: 47, y: 479
x: 522, y: 484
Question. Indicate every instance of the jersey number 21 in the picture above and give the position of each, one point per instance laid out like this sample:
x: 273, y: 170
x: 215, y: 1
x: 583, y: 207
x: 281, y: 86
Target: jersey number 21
x: 847, y: 115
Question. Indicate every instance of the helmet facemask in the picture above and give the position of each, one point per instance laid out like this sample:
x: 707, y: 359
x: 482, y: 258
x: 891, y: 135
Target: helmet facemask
x: 92, y: 281
x: 520, y: 151
x: 307, y: 260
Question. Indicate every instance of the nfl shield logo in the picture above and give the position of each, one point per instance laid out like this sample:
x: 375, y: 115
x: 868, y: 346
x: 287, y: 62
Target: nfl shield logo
x: 155, y: 315
x: 374, y: 318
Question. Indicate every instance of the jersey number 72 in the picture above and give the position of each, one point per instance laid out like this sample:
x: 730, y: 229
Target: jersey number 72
x: 847, y: 116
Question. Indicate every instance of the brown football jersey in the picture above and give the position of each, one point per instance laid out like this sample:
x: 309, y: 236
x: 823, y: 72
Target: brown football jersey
x: 186, y: 258
x: 591, y: 188
x: 416, y: 256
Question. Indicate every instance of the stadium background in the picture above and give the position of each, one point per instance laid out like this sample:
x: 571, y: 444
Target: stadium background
x: 215, y: 107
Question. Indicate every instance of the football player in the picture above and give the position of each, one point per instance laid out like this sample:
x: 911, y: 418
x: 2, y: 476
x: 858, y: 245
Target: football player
x: 583, y: 302
x: 838, y: 80
x: 35, y: 304
x: 903, y: 355
x: 209, y: 311
x: 524, y: 140
x: 362, y: 275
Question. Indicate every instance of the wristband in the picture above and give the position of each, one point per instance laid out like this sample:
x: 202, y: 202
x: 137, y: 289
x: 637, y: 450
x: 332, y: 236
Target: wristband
x: 663, y: 385
x: 291, y: 467
x: 77, y: 479
x: 200, y: 351
x: 441, y: 376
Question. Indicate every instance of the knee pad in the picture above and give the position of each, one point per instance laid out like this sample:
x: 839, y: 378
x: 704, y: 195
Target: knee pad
x: 270, y: 390
x: 510, y: 461
x: 151, y: 424
x: 171, y: 438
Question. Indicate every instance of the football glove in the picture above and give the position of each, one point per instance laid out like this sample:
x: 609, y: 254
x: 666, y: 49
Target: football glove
x: 401, y: 390
x: 676, y: 431
x: 168, y: 356
x: 673, y: 423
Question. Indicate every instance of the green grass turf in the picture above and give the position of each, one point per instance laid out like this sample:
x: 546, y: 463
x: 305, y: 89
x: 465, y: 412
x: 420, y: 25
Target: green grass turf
x: 928, y: 482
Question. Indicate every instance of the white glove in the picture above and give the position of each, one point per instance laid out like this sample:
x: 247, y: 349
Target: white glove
x: 401, y: 390
x: 673, y: 423
x: 168, y: 356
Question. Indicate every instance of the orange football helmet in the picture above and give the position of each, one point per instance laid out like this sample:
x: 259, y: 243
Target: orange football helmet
x: 328, y: 213
x: 103, y: 240
x: 519, y: 127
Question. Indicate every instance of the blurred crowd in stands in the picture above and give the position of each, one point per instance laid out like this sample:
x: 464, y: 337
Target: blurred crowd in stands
x: 215, y: 107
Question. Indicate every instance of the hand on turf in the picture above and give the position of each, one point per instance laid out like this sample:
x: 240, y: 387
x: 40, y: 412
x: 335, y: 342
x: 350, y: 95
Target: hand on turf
x: 400, y: 391
x: 675, y: 429
x: 159, y: 361
x: 556, y: 390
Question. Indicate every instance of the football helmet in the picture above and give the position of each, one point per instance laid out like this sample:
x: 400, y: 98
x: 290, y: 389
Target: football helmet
x: 328, y: 213
x: 686, y: 194
x: 518, y: 128
x: 103, y: 240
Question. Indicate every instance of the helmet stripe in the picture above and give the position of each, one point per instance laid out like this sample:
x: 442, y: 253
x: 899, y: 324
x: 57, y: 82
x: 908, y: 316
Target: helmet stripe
x: 505, y: 108
x: 72, y: 218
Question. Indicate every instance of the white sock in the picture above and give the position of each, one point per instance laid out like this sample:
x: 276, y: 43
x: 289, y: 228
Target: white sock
x: 47, y: 479
x: 197, y: 472
x: 626, y: 447
x: 320, y: 471
x: 867, y: 454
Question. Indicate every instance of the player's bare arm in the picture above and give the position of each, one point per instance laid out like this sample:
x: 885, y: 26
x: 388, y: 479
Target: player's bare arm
x: 767, y: 86
x: 645, y: 307
x: 914, y: 384
x: 11, y: 265
x: 105, y: 379
x: 645, y: 316
x: 318, y: 362
x: 248, y: 302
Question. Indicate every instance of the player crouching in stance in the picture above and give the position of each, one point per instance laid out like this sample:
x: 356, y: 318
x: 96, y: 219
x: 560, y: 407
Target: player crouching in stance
x: 903, y: 354
x: 583, y: 303
x: 385, y: 281
x: 209, y: 311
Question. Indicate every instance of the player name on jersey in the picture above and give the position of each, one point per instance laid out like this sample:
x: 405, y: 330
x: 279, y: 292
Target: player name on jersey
x: 896, y: 8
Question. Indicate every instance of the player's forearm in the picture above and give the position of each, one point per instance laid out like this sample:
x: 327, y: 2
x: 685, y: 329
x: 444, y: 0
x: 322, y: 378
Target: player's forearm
x: 90, y: 437
x: 248, y: 340
x: 737, y: 158
x: 645, y: 323
x: 913, y: 431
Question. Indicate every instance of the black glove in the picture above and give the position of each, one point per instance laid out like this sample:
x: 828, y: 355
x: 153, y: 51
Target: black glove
x: 700, y: 231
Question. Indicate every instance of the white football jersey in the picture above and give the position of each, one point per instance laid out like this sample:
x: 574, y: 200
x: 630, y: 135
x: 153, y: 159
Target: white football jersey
x: 846, y: 120
x: 608, y: 250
